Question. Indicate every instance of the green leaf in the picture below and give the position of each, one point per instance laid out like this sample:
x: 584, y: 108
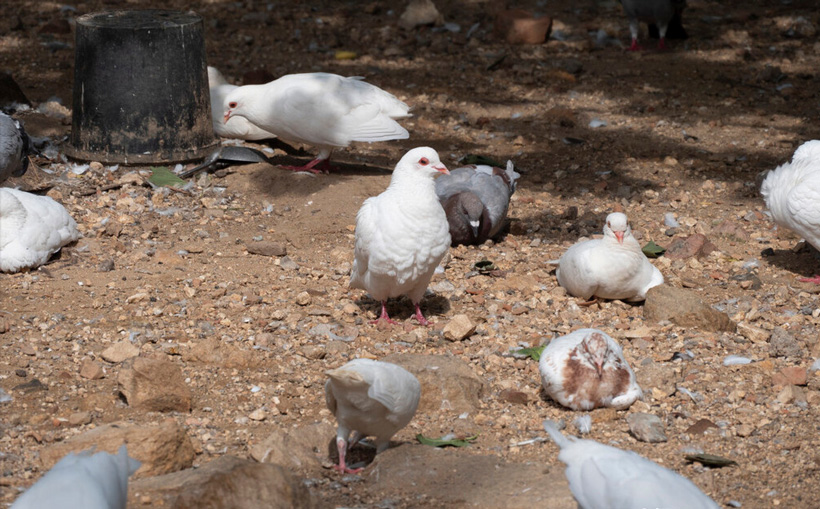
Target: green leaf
x: 162, y: 176
x: 710, y: 460
x: 485, y: 266
x: 441, y: 442
x: 653, y: 250
x: 479, y: 159
x: 533, y: 352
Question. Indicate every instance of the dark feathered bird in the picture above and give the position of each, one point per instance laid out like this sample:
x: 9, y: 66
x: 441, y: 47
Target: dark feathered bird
x: 15, y: 147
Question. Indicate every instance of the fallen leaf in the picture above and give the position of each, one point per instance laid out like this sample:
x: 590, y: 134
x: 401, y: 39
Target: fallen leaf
x: 533, y: 352
x: 710, y: 460
x: 443, y: 442
x: 161, y: 176
x: 652, y: 250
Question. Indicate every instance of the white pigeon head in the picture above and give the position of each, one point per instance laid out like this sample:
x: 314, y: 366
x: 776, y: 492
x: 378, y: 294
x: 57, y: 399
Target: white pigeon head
x: 234, y: 103
x: 617, y: 226
x: 421, y: 161
x: 595, y: 351
x: 809, y: 151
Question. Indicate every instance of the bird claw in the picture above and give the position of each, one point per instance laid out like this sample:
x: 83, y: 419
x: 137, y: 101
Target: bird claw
x: 589, y: 302
x: 383, y: 319
x: 635, y: 46
x: 316, y: 166
x: 815, y: 280
x: 342, y: 469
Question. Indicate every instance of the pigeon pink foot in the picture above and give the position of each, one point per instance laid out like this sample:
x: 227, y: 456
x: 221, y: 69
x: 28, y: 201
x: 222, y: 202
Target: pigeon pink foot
x: 635, y: 46
x: 420, y: 317
x: 662, y: 44
x: 341, y: 446
x: 315, y: 166
x: 384, y: 317
x: 815, y: 280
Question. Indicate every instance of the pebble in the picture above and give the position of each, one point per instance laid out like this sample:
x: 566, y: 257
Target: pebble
x: 91, y: 370
x: 460, y: 327
x: 287, y: 264
x: 646, y: 427
x: 303, y: 299
x: 258, y: 415
x: 119, y: 352
x: 783, y: 344
x: 266, y: 248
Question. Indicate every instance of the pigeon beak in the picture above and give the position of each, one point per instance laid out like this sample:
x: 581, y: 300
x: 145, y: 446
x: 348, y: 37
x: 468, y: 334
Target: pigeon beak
x: 441, y: 168
x: 618, y: 235
x: 599, y: 367
x: 474, y: 226
x: 227, y: 115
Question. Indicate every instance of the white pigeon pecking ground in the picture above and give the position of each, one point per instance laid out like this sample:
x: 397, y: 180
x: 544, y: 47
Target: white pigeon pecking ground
x: 324, y: 110
x: 237, y: 127
x: 605, y: 477
x: 402, y: 234
x: 792, y: 194
x: 613, y: 267
x: 82, y: 481
x: 659, y: 12
x: 32, y: 228
x: 370, y: 398
x: 15, y: 147
x: 475, y: 199
x: 586, y: 369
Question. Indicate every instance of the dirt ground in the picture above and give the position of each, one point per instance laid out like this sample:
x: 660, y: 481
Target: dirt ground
x: 687, y: 131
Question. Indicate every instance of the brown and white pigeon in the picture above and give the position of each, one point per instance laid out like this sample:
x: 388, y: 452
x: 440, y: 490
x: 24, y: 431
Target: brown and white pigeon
x: 15, y: 147
x: 402, y: 234
x: 475, y: 199
x: 86, y: 480
x: 613, y: 267
x: 659, y: 12
x: 370, y: 398
x: 320, y: 109
x: 236, y: 127
x: 32, y: 228
x: 586, y: 369
x: 792, y: 194
x: 605, y: 477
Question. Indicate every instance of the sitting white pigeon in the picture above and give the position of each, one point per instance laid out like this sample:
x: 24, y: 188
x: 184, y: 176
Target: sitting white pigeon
x: 32, y: 228
x: 15, y: 147
x: 402, y: 234
x: 604, y: 477
x: 792, y: 194
x: 320, y: 109
x: 613, y: 267
x: 659, y: 12
x: 237, y: 127
x: 370, y: 398
x: 586, y: 369
x: 475, y: 199
x: 82, y: 481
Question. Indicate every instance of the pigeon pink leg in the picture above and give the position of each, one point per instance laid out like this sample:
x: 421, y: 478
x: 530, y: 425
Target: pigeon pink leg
x: 815, y: 280
x: 315, y: 166
x: 384, y: 316
x: 635, y: 46
x: 341, y: 446
x: 420, y: 317
x: 662, y: 43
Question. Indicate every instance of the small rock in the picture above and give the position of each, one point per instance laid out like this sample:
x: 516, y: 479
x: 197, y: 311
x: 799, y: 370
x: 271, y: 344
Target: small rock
x: 518, y: 26
x: 303, y: 299
x: 700, y: 427
x: 120, y: 351
x: 257, y: 415
x: 684, y: 308
x: 792, y: 375
x: 646, y: 427
x: 513, y: 396
x: 79, y: 418
x: 783, y: 344
x: 105, y: 266
x: 313, y: 352
x: 153, y: 384
x: 418, y: 13
x: 91, y: 370
x: 301, y: 447
x: 266, y: 248
x: 459, y: 328
x: 287, y: 264
x: 694, y: 245
x: 791, y: 394
x: 753, y: 334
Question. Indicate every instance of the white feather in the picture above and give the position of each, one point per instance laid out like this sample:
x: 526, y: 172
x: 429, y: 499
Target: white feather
x: 236, y: 127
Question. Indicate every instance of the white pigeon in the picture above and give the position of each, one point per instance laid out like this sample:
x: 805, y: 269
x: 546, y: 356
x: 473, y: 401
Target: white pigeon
x: 604, y: 477
x: 370, y: 398
x: 659, y: 12
x: 15, y: 147
x: 402, y: 234
x: 237, y: 127
x: 475, y: 199
x: 586, y: 369
x: 320, y: 109
x: 32, y: 228
x: 613, y: 267
x: 82, y: 481
x: 792, y: 194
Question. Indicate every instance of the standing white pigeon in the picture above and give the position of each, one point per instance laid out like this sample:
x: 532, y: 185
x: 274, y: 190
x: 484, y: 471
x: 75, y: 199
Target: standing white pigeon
x: 15, y: 147
x: 32, y: 228
x: 237, y: 127
x: 402, y: 234
x: 320, y: 109
x: 475, y: 199
x: 586, y: 369
x: 792, y: 194
x: 613, y: 267
x: 604, y: 477
x: 82, y: 481
x: 370, y: 398
x: 659, y: 12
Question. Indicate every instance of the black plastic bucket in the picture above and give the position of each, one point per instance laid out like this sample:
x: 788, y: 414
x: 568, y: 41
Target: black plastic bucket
x: 140, y: 88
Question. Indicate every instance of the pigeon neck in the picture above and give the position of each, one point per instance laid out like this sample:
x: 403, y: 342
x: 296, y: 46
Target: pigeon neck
x: 410, y: 183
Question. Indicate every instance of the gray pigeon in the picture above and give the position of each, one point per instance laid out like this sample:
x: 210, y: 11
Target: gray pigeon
x: 15, y: 147
x: 475, y: 199
x: 659, y: 12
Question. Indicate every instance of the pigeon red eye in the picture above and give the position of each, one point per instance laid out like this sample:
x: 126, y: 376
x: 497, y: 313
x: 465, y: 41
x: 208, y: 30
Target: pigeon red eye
x: 424, y: 161
x: 232, y: 105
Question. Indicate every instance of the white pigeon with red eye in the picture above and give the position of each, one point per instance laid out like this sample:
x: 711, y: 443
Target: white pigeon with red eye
x: 320, y: 109
x: 605, y: 477
x: 586, y: 369
x: 402, y: 234
x: 237, y: 127
x: 613, y: 267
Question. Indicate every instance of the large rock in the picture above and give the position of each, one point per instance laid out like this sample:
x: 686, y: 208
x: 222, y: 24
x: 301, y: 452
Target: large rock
x: 783, y: 344
x: 682, y: 248
x: 457, y: 478
x: 215, y: 352
x: 300, y: 447
x: 646, y: 427
x: 518, y: 26
x: 684, y: 308
x: 447, y: 383
x: 154, y: 384
x: 161, y: 448
x: 227, y: 482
